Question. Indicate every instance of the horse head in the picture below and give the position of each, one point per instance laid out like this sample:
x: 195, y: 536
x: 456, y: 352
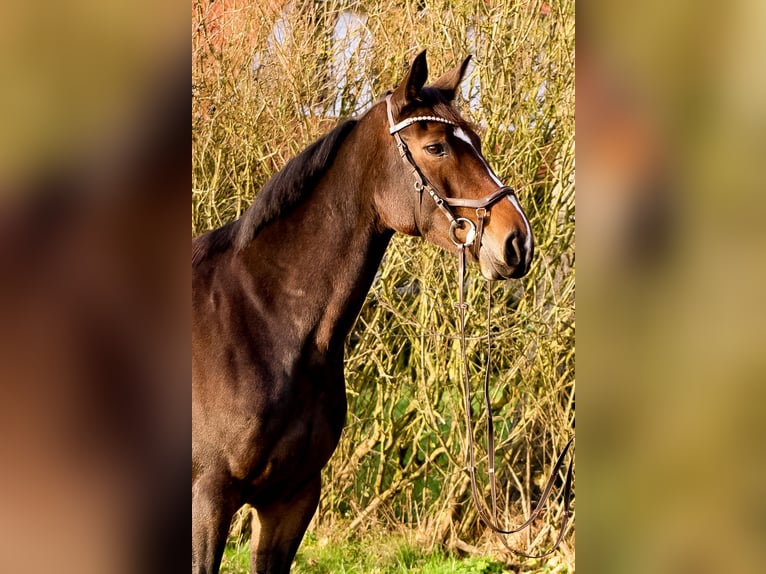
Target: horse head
x: 457, y: 198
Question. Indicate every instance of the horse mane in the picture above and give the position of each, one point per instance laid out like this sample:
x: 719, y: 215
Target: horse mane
x: 280, y: 194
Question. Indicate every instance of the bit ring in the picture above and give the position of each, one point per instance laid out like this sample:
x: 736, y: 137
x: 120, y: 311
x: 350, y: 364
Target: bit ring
x: 459, y: 224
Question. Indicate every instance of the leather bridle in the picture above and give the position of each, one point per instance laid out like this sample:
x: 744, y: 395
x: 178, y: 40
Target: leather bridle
x: 473, y: 239
x: 445, y: 204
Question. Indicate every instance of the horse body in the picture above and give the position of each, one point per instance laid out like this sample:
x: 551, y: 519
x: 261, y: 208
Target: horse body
x: 275, y: 295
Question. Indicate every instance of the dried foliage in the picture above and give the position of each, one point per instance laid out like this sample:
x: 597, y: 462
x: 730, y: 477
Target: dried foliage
x: 268, y: 79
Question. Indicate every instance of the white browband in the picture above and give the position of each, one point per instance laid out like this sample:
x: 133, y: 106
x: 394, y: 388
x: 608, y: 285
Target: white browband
x: 409, y: 121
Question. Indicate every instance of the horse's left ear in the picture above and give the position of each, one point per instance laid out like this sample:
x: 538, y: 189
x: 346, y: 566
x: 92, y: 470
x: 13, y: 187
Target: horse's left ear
x: 450, y: 82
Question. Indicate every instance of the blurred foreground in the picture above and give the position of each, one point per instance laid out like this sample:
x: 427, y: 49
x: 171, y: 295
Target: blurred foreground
x: 671, y: 131
x: 94, y: 287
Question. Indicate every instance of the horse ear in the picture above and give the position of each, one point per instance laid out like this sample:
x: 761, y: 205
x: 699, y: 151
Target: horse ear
x: 414, y: 81
x: 449, y: 83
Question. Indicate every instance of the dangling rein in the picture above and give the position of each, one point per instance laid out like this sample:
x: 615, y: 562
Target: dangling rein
x: 490, y: 519
x: 473, y: 237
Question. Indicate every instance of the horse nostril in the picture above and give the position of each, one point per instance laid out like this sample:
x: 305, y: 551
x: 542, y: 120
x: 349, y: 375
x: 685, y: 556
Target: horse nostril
x: 514, y: 249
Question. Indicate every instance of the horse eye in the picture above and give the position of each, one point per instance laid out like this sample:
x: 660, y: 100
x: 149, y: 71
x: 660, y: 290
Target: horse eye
x: 435, y: 149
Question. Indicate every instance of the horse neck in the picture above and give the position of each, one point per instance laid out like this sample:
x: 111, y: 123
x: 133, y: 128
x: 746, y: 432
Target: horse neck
x: 312, y: 267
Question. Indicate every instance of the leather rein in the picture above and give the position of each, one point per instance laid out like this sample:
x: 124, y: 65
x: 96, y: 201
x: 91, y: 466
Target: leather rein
x: 473, y: 239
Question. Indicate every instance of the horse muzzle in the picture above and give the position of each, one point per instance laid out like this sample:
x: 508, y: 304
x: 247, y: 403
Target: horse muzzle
x: 510, y: 258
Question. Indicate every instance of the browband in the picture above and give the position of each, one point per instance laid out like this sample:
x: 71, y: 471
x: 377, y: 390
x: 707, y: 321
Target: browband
x: 409, y: 121
x: 395, y: 128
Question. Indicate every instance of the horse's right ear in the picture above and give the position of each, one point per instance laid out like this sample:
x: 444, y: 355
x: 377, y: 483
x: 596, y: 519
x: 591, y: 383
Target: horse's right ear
x: 414, y: 81
x: 449, y: 83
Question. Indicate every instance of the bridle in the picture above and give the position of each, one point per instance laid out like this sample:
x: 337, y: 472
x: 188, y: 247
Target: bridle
x: 482, y: 206
x: 473, y: 238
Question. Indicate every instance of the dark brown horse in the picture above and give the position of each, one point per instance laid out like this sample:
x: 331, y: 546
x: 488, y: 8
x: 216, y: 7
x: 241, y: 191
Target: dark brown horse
x: 276, y: 292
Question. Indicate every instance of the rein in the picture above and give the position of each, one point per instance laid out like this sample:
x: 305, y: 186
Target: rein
x: 491, y: 520
x: 473, y: 238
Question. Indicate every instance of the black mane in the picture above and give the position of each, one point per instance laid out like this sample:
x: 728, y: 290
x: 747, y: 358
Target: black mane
x: 281, y: 193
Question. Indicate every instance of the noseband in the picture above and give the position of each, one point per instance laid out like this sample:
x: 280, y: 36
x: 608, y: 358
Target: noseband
x: 473, y: 240
x: 482, y: 205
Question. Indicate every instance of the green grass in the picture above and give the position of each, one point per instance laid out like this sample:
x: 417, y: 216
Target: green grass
x: 358, y: 557
x: 390, y: 555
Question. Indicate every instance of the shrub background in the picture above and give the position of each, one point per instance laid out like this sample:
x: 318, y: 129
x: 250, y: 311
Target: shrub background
x: 268, y: 79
